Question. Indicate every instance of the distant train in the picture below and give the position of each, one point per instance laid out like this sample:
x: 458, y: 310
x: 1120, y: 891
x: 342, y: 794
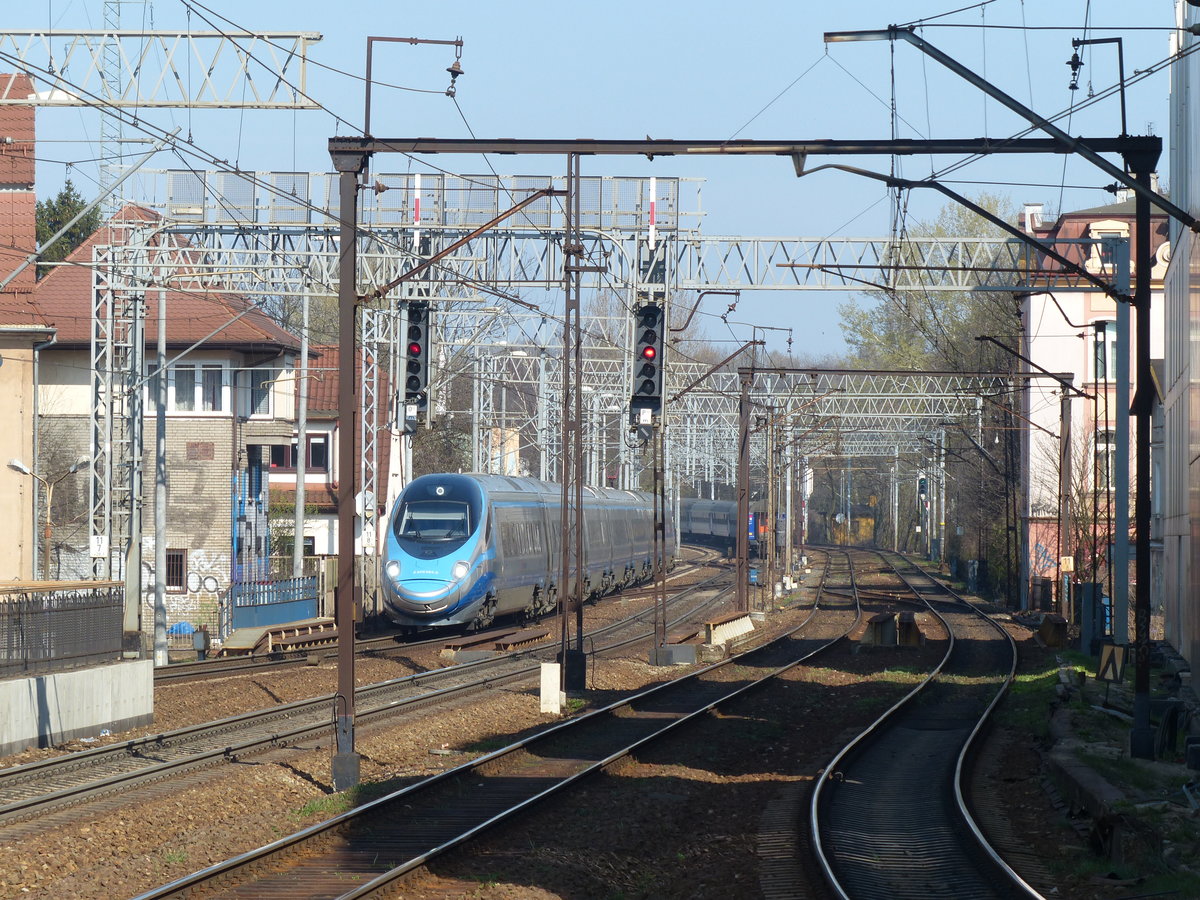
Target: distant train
x: 464, y: 549
x: 713, y: 523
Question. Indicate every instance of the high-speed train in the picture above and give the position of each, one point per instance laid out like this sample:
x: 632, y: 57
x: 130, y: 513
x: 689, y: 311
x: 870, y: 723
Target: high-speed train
x: 464, y: 549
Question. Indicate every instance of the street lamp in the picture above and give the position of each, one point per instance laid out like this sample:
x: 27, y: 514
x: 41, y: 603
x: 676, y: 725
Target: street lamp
x: 48, y: 483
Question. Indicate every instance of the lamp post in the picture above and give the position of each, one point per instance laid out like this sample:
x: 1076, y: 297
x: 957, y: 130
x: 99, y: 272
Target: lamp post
x: 48, y: 484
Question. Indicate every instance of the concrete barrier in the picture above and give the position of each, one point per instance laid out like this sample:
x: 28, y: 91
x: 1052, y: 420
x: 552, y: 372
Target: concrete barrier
x: 50, y: 709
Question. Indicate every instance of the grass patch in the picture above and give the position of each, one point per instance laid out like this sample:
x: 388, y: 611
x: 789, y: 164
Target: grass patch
x: 1026, y: 706
x: 328, y: 806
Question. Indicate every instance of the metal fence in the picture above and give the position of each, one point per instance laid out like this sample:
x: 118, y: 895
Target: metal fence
x: 54, y: 625
x: 255, y: 604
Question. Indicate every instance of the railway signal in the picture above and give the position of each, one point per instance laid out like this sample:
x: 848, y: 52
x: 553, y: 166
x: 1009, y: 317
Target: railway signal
x: 416, y: 368
x: 646, y: 401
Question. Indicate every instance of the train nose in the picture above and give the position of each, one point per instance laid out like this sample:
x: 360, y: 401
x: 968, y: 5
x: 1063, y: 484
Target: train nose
x: 427, y: 595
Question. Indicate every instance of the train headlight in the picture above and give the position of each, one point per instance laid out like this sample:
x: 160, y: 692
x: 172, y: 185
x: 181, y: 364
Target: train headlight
x: 460, y: 570
x: 392, y: 569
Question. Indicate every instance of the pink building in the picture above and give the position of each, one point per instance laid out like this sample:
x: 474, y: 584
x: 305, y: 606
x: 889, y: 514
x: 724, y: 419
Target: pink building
x: 1075, y: 334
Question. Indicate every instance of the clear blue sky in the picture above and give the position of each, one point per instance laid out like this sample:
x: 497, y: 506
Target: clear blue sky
x: 694, y: 69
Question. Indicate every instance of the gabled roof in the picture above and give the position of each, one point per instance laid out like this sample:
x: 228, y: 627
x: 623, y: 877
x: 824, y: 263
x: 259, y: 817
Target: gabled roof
x: 63, y: 300
x: 323, y: 379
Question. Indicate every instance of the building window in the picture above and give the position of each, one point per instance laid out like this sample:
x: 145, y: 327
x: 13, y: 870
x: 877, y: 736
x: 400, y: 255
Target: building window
x: 185, y: 389
x: 1104, y: 362
x: 213, y: 384
x: 261, y: 381
x: 283, y: 456
x: 194, y: 389
x: 176, y: 578
x: 318, y: 452
x: 152, y: 384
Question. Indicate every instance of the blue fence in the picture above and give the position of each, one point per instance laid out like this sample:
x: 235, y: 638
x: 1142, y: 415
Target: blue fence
x: 259, y: 603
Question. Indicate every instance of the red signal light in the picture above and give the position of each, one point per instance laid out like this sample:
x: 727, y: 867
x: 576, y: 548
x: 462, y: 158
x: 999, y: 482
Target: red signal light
x: 414, y: 349
x: 649, y: 353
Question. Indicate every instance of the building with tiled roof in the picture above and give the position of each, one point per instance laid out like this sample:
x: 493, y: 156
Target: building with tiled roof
x: 320, y: 468
x: 229, y: 398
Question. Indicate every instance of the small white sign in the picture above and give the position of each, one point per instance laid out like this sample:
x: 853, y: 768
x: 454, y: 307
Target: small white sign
x: 551, y: 694
x: 98, y: 546
x: 645, y: 416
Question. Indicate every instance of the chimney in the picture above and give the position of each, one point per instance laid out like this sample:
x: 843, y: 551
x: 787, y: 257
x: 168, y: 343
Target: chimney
x: 1033, y: 216
x: 18, y: 230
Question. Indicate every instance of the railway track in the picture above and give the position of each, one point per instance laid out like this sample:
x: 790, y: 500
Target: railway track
x: 375, y: 645
x: 890, y: 818
x: 38, y: 788
x: 369, y: 850
x: 222, y: 667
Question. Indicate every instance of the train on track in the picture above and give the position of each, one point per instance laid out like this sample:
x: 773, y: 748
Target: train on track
x: 713, y: 523
x: 462, y: 550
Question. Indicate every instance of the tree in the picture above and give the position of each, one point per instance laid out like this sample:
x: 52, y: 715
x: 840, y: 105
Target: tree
x: 935, y: 330
x: 54, y: 214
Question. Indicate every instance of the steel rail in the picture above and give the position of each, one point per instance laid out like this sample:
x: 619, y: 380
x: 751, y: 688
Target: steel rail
x: 665, y: 713
x: 195, y: 670
x: 894, y: 884
x: 25, y: 798
x: 970, y: 745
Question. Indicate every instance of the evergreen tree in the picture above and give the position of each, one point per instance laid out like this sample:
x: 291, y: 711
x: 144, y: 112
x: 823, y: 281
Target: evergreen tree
x: 54, y: 214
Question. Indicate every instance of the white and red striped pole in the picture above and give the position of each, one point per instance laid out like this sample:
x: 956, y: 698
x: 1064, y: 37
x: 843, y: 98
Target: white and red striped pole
x: 417, y: 212
x: 653, y: 201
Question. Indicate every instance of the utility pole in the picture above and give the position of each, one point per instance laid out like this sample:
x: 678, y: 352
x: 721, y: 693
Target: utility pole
x: 742, y: 576
x: 301, y: 460
x: 161, y: 650
x: 349, y: 167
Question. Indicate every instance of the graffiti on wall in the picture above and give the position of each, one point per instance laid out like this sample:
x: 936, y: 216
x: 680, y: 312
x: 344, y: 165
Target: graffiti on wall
x: 1043, y: 559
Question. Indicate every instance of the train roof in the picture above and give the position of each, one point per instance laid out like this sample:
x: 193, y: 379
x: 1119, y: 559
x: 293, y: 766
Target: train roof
x: 526, y: 485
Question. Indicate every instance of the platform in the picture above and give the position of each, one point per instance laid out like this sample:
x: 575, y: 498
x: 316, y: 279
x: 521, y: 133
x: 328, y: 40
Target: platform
x: 262, y: 640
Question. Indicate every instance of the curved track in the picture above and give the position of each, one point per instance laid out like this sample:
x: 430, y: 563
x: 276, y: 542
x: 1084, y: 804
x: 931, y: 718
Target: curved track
x: 890, y: 819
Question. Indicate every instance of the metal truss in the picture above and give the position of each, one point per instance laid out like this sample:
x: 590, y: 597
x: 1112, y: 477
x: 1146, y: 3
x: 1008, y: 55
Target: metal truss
x: 865, y: 264
x: 239, y: 260
x: 258, y: 236
x: 117, y: 347
x: 824, y: 413
x: 196, y: 69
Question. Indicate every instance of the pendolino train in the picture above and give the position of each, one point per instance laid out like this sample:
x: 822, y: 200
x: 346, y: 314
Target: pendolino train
x: 464, y: 549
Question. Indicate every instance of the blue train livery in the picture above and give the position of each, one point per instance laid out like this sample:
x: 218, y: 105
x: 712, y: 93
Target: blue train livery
x: 462, y: 550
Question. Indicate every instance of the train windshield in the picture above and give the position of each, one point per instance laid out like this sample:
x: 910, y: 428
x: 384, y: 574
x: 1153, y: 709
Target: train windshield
x: 436, y: 515
x: 434, y: 520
